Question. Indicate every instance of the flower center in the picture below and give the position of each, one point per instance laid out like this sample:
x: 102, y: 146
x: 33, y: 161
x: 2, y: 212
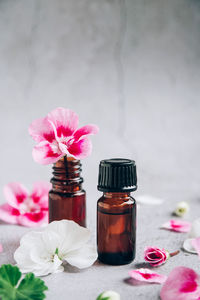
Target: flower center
x: 28, y: 206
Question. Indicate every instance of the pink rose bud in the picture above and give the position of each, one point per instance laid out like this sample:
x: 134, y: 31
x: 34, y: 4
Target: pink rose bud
x: 155, y: 256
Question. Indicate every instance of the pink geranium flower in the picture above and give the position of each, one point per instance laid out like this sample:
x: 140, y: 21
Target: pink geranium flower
x: 58, y: 135
x: 182, y: 284
x: 155, y: 256
x: 177, y: 225
x: 147, y: 275
x: 24, y: 209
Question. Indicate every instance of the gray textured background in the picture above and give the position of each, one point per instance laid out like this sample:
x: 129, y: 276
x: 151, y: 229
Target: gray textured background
x: 130, y: 66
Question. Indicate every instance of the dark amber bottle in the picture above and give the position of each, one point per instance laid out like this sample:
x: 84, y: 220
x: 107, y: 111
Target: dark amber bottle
x: 67, y: 199
x: 116, y: 212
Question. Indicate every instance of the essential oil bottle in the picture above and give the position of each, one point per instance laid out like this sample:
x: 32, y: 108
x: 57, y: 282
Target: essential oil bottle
x: 67, y: 199
x: 116, y: 211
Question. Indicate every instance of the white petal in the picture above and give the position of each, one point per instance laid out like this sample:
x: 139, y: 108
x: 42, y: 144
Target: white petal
x: 110, y: 295
x: 83, y: 257
x: 148, y: 199
x: 23, y: 259
x: 52, y: 240
x: 73, y: 236
x: 31, y: 238
x: 187, y: 246
x: 195, y: 230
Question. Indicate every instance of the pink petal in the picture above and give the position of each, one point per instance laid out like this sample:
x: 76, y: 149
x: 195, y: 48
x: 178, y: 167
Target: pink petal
x: 177, y: 225
x: 85, y: 130
x: 147, y: 276
x: 196, y: 244
x: 34, y: 219
x: 43, y: 153
x: 9, y: 214
x: 65, y: 121
x: 181, y: 284
x: 15, y: 193
x: 41, y: 130
x: 1, y: 248
x: 81, y: 149
x: 40, y: 193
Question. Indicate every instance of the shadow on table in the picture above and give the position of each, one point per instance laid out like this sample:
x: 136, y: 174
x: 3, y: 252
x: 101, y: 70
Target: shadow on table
x: 132, y: 281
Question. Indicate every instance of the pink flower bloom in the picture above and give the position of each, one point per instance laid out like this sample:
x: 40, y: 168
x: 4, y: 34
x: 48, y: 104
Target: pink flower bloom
x: 1, y: 248
x: 58, y: 135
x: 24, y: 209
x: 155, y: 256
x: 182, y: 284
x: 196, y: 244
x: 177, y: 225
x: 147, y: 276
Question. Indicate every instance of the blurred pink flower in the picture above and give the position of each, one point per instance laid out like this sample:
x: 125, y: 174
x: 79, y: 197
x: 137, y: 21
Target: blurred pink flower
x: 1, y: 248
x: 24, y: 209
x: 182, y: 284
x: 177, y: 225
x: 147, y: 276
x: 155, y: 256
x: 58, y: 135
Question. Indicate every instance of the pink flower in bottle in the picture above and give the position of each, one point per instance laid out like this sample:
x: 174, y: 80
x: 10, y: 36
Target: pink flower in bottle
x: 58, y: 135
x: 23, y: 208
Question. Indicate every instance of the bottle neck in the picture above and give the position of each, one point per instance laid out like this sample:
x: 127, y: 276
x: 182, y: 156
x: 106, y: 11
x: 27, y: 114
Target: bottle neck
x: 118, y: 195
x: 66, y: 175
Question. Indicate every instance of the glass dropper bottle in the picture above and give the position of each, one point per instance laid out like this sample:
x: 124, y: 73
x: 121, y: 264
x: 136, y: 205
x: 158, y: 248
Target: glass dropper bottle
x: 116, y: 211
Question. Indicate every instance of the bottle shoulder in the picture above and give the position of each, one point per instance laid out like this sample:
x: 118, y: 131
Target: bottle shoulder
x: 108, y: 204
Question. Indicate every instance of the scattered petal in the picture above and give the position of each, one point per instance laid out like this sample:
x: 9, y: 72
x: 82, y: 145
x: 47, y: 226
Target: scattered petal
x: 147, y: 276
x: 177, y: 225
x: 181, y: 284
x: 181, y: 209
x: 195, y: 229
x: 148, y: 199
x: 187, y: 246
x: 43, y: 252
x: 196, y: 244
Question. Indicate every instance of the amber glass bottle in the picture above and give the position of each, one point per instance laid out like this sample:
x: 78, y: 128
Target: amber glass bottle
x: 67, y: 199
x: 116, y: 211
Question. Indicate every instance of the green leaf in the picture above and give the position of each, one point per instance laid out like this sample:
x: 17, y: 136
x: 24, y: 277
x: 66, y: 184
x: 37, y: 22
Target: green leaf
x: 104, y: 298
x: 30, y: 288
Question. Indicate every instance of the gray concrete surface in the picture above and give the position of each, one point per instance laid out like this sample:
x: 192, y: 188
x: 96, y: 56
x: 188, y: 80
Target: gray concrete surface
x: 133, y: 68
x: 87, y: 284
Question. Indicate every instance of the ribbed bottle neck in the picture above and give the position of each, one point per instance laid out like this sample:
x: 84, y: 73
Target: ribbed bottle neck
x: 118, y: 195
x: 67, y: 175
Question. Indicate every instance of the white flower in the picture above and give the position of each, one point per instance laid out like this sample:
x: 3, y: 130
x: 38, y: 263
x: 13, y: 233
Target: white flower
x: 193, y: 234
x: 109, y: 295
x: 181, y: 209
x: 43, y: 252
